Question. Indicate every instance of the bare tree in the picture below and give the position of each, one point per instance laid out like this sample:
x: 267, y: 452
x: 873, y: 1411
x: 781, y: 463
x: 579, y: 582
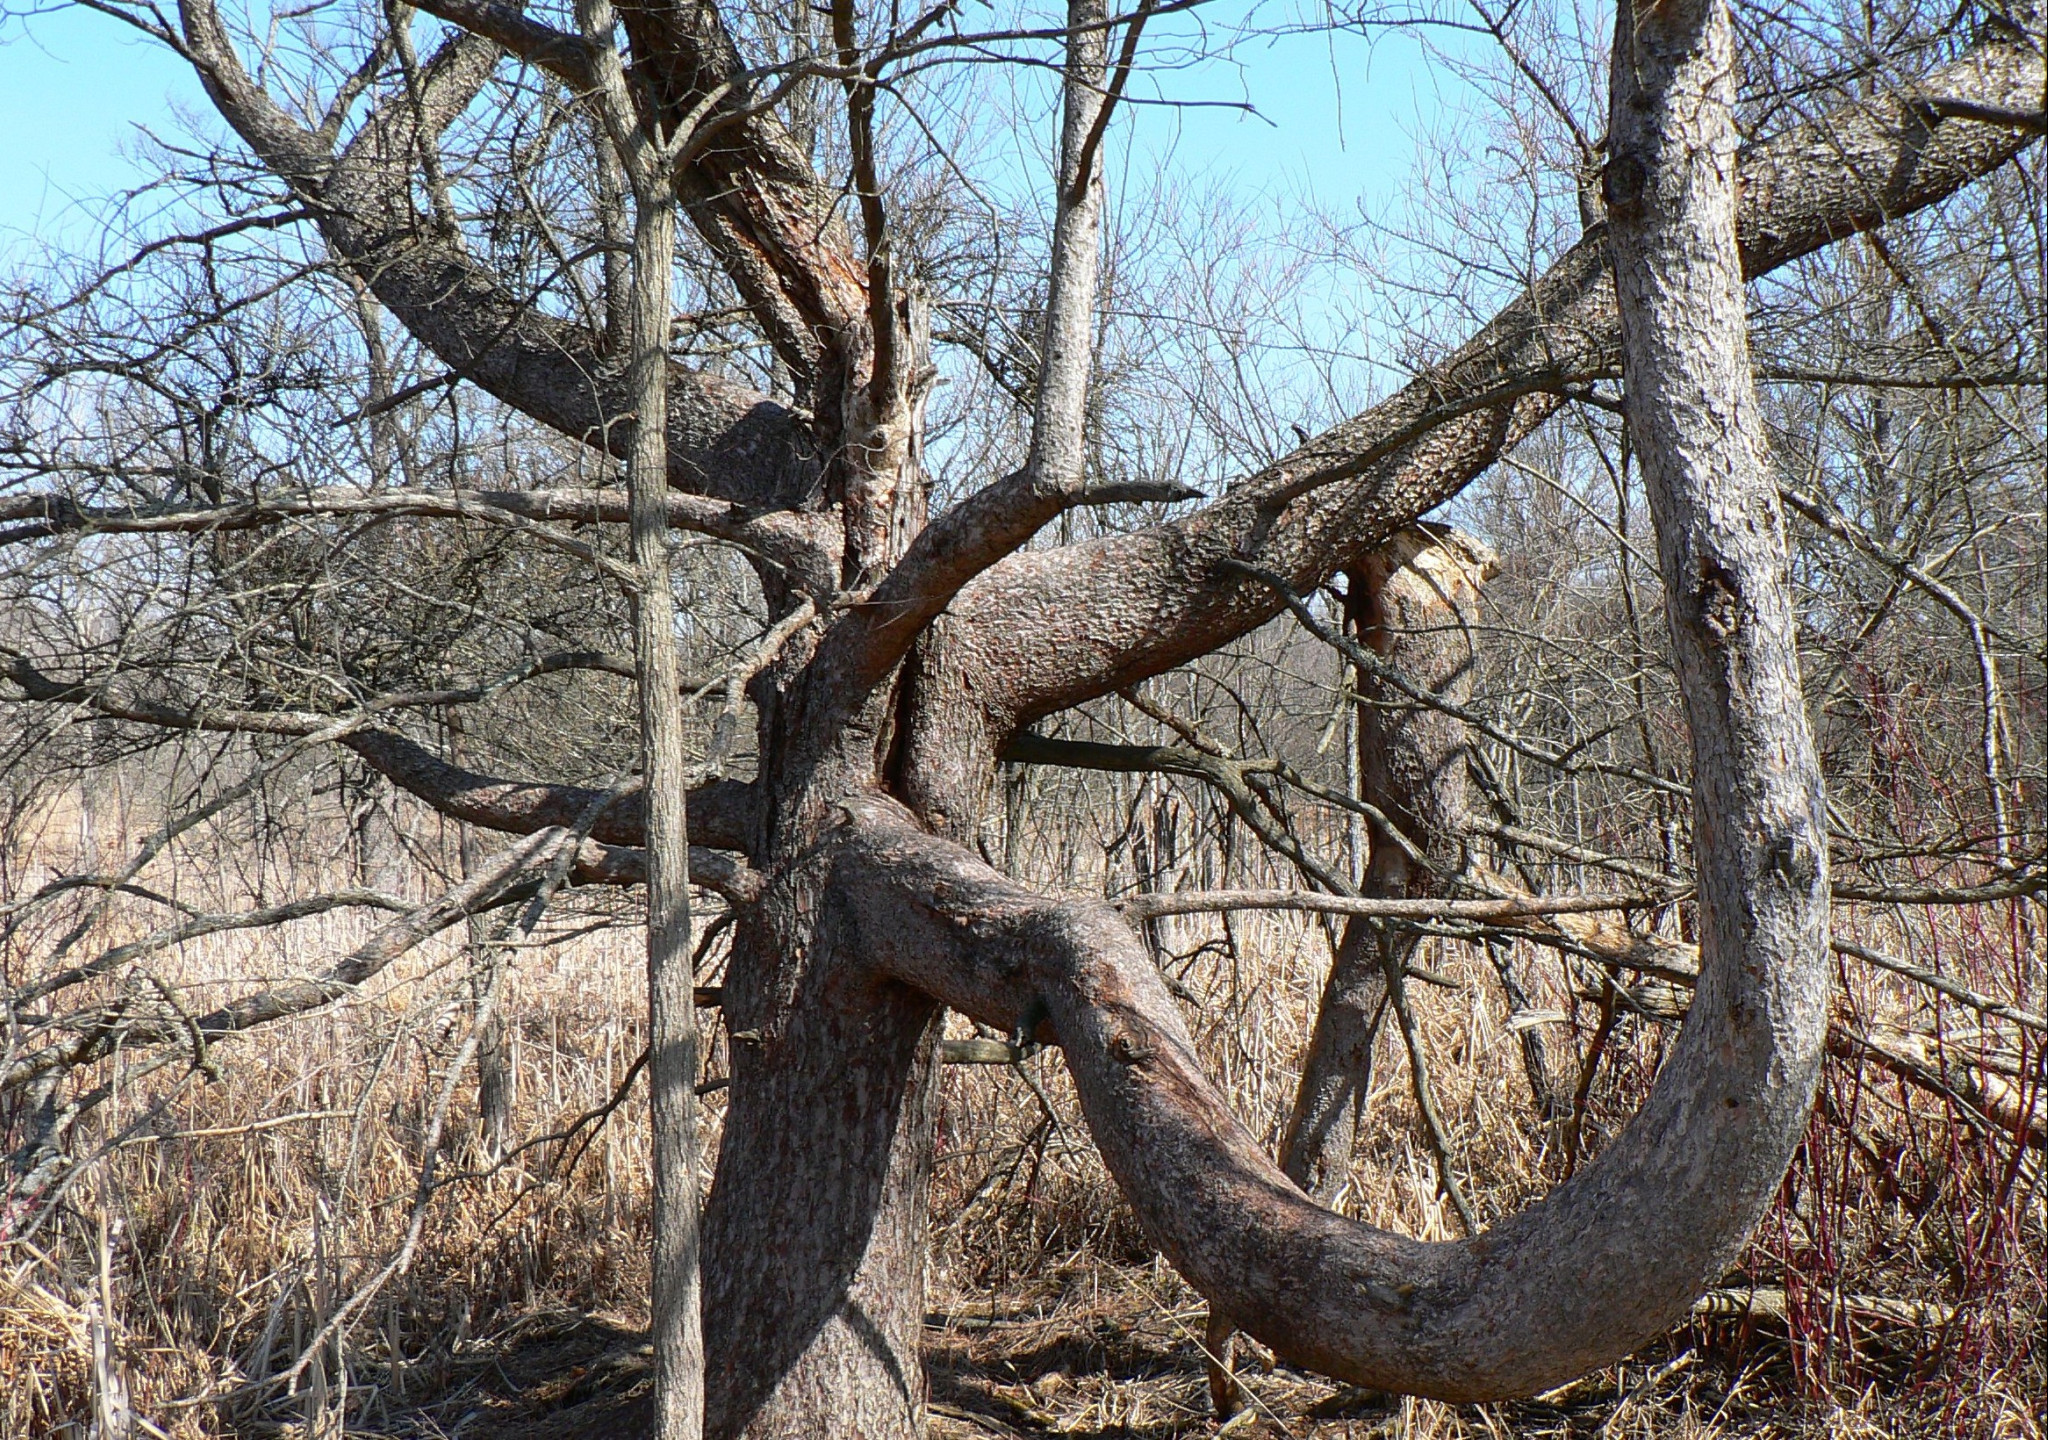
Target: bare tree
x: 904, y: 646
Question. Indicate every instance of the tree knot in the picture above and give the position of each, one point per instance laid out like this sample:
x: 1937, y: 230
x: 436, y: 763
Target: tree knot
x: 1719, y: 601
x: 1128, y: 1049
x: 1794, y: 857
x: 1390, y: 1297
x: 1622, y: 180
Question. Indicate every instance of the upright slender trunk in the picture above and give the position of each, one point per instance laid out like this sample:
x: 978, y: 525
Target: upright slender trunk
x: 1059, y: 422
x: 671, y: 1007
x: 1336, y: 1073
x: 494, y: 1080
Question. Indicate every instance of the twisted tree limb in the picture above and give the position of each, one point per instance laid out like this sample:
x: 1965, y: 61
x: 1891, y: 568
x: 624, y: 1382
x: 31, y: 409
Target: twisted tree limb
x: 1620, y: 1251
x: 1051, y: 629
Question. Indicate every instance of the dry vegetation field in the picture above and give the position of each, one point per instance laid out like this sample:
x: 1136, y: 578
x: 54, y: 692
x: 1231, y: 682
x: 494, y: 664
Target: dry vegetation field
x: 314, y: 1243
x: 1118, y: 549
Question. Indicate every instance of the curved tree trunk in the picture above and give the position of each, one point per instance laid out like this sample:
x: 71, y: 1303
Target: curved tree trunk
x: 1617, y: 1253
x: 870, y: 920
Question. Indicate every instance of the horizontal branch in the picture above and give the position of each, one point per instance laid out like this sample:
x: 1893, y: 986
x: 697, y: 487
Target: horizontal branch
x: 1934, y: 980
x: 515, y: 875
x: 1028, y: 748
x: 1211, y: 902
x: 2031, y: 121
x: 796, y: 543
x: 981, y: 1052
x: 2018, y: 887
x: 1886, y: 380
x: 721, y: 812
x: 714, y: 870
x: 1774, y: 1304
x: 1106, y: 613
x: 506, y: 878
x: 720, y: 816
x: 197, y: 927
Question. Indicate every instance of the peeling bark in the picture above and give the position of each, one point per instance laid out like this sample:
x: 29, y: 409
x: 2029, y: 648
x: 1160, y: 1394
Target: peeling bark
x: 1412, y: 603
x: 861, y: 918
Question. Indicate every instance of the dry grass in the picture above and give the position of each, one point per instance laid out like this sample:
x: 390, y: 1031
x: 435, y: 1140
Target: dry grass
x: 246, y: 1216
x: 1065, y: 1324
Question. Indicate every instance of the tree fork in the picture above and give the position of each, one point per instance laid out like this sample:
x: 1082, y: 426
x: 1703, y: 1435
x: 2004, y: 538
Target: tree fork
x: 1615, y: 1255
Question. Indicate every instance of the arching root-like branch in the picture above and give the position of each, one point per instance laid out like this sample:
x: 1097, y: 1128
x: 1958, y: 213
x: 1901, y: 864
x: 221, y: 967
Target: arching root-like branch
x: 1577, y: 1280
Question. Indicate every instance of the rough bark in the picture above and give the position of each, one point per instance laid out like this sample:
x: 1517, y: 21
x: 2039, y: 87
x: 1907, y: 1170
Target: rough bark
x: 814, y: 1236
x: 814, y: 1239
x: 676, y: 1324
x: 1059, y: 422
x: 870, y: 920
x: 494, y: 1075
x: 1412, y: 603
x: 1045, y: 630
x: 1617, y: 1253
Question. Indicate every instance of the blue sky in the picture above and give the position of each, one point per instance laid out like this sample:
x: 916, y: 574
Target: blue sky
x: 1335, y: 113
x: 1335, y: 117
x: 73, y: 86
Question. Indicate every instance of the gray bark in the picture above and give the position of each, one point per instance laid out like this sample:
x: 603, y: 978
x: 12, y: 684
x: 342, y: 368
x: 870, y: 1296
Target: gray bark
x: 861, y: 918
x: 1336, y: 1073
x: 494, y: 1077
x: 1618, y: 1253
x: 671, y: 1005
x: 1059, y: 429
x: 675, y: 1307
x: 815, y: 1235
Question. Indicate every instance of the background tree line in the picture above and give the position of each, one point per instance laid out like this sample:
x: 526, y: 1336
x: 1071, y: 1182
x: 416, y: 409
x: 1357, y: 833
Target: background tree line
x: 268, y: 553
